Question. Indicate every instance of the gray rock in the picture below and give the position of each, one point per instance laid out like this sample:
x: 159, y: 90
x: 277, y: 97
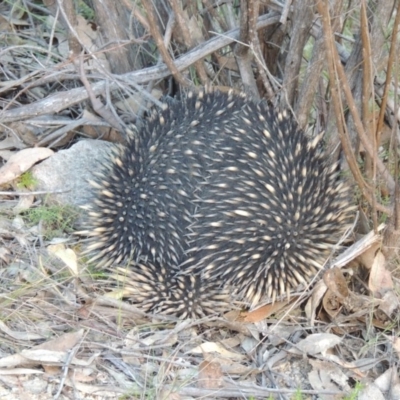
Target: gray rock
x: 68, y: 171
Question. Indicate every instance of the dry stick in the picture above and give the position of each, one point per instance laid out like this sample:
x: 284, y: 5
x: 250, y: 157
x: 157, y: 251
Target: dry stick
x: 312, y: 79
x: 187, y: 38
x: 392, y: 55
x: 62, y: 100
x: 242, y: 54
x: 51, y: 39
x: 167, y: 38
x: 246, y: 9
x: 390, y: 106
x: 10, y: 85
x: 48, y: 77
x: 326, y: 25
x: 136, y: 12
x: 285, y: 12
x: 168, y: 33
x: 335, y: 69
x: 357, y: 121
x: 119, y: 304
x: 368, y: 117
x: 310, y: 83
x: 303, y: 17
x: 69, y: 22
x: 38, y: 192
x: 155, y: 33
x: 244, y: 391
x: 270, y: 83
x: 391, y: 234
x: 98, y: 106
x: 18, y: 82
x: 255, y: 44
x: 59, y: 134
x: 65, y: 368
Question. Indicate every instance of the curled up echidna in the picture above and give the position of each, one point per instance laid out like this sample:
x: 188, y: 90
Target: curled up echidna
x: 215, y: 198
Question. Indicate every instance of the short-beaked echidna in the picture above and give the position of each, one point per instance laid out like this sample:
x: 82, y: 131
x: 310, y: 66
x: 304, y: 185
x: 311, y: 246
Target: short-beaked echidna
x: 214, y: 198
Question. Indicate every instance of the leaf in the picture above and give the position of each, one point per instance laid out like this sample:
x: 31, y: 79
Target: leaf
x: 316, y: 343
x: 267, y: 310
x: 21, y: 161
x: 380, y: 278
x: 212, y: 347
x: 19, y: 335
x: 68, y: 256
x: 210, y: 375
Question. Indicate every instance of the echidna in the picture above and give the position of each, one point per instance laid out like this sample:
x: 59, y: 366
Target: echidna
x: 214, y: 197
